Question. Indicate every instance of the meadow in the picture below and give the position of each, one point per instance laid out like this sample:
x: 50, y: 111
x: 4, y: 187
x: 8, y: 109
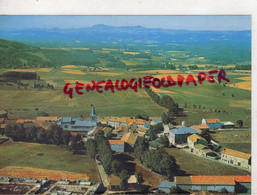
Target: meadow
x: 45, y: 161
x: 194, y: 165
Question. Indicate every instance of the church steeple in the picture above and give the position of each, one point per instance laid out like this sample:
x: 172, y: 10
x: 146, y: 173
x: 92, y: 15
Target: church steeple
x: 92, y: 114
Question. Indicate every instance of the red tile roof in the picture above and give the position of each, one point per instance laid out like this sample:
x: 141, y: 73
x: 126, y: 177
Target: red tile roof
x: 116, y: 142
x: 212, y: 180
x: 213, y: 120
x: 2, y: 120
x: 242, y: 179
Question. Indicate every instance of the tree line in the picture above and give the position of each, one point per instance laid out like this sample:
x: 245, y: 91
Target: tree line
x: 158, y: 161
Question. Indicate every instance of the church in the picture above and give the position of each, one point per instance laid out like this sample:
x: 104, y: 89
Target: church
x: 79, y: 124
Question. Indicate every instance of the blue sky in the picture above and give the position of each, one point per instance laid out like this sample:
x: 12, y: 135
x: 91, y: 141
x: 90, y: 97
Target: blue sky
x: 168, y: 22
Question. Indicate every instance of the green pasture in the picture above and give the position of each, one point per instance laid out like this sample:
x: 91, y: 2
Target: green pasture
x: 51, y: 157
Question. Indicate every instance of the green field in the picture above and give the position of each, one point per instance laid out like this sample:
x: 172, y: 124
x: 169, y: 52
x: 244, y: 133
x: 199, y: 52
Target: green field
x: 194, y: 165
x: 50, y: 158
x: 236, y: 139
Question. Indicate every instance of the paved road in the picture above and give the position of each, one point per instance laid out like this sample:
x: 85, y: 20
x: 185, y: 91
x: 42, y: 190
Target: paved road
x: 103, y: 175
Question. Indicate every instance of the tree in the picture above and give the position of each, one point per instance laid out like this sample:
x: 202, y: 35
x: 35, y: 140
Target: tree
x: 206, y: 135
x: 165, y: 118
x: 91, y: 148
x: 124, y: 176
x: 116, y: 167
x: 164, y: 140
x: 240, y: 123
x: 139, y: 177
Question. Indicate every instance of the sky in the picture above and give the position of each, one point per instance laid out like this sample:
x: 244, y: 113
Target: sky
x: 167, y: 22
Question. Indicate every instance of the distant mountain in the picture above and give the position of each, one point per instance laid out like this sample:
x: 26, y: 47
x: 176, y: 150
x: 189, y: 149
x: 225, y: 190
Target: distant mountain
x: 124, y: 34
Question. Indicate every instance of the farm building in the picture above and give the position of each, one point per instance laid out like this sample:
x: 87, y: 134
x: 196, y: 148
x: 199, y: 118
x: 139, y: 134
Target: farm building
x: 114, y: 183
x: 130, y: 140
x: 227, y: 125
x: 198, y: 145
x: 194, y: 139
x: 165, y: 186
x: 117, y: 145
x: 205, y: 183
x: 237, y: 158
x: 212, y: 123
x: 179, y: 136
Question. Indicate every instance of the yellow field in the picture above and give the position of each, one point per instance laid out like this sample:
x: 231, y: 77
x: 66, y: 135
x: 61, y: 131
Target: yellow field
x: 242, y: 85
x: 159, y: 71
x: 173, y: 59
x: 245, y: 78
x: 69, y: 66
x: 44, y: 70
x: 73, y: 72
x: 201, y: 58
x: 130, y: 52
x: 174, y: 76
x: 82, y: 48
x: 16, y: 171
x: 23, y: 70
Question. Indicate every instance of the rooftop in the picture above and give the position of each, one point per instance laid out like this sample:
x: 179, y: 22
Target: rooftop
x: 166, y: 184
x: 184, y: 130
x: 130, y: 138
x: 195, y: 137
x: 236, y: 153
x: 212, y: 180
x: 116, y: 142
x: 213, y: 120
x: 242, y: 179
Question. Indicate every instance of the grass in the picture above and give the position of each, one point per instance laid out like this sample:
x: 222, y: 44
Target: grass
x: 194, y: 165
x: 236, y: 140
x: 54, y: 158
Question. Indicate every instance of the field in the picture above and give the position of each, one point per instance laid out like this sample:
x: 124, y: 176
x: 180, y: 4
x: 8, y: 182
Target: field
x: 194, y: 165
x: 236, y: 139
x: 231, y: 104
x: 44, y: 161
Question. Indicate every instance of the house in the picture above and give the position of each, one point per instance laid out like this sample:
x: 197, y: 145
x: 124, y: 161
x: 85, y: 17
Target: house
x: 107, y: 130
x: 130, y: 139
x: 198, y: 145
x: 179, y: 136
x: 227, y: 125
x: 243, y: 184
x: 165, y: 186
x: 47, y: 119
x: 117, y: 145
x: 205, y: 183
x: 91, y: 134
x: 117, y: 121
x: 212, y: 123
x: 121, y: 130
x: 194, y: 139
x: 202, y: 150
x: 114, y: 183
x: 236, y: 158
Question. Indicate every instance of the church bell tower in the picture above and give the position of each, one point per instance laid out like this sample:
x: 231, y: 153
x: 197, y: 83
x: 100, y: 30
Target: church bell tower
x: 93, y: 114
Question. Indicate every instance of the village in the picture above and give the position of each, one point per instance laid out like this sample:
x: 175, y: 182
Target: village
x: 129, y: 135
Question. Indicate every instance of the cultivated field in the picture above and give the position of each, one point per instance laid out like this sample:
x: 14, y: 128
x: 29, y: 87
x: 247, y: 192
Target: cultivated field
x: 43, y: 161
